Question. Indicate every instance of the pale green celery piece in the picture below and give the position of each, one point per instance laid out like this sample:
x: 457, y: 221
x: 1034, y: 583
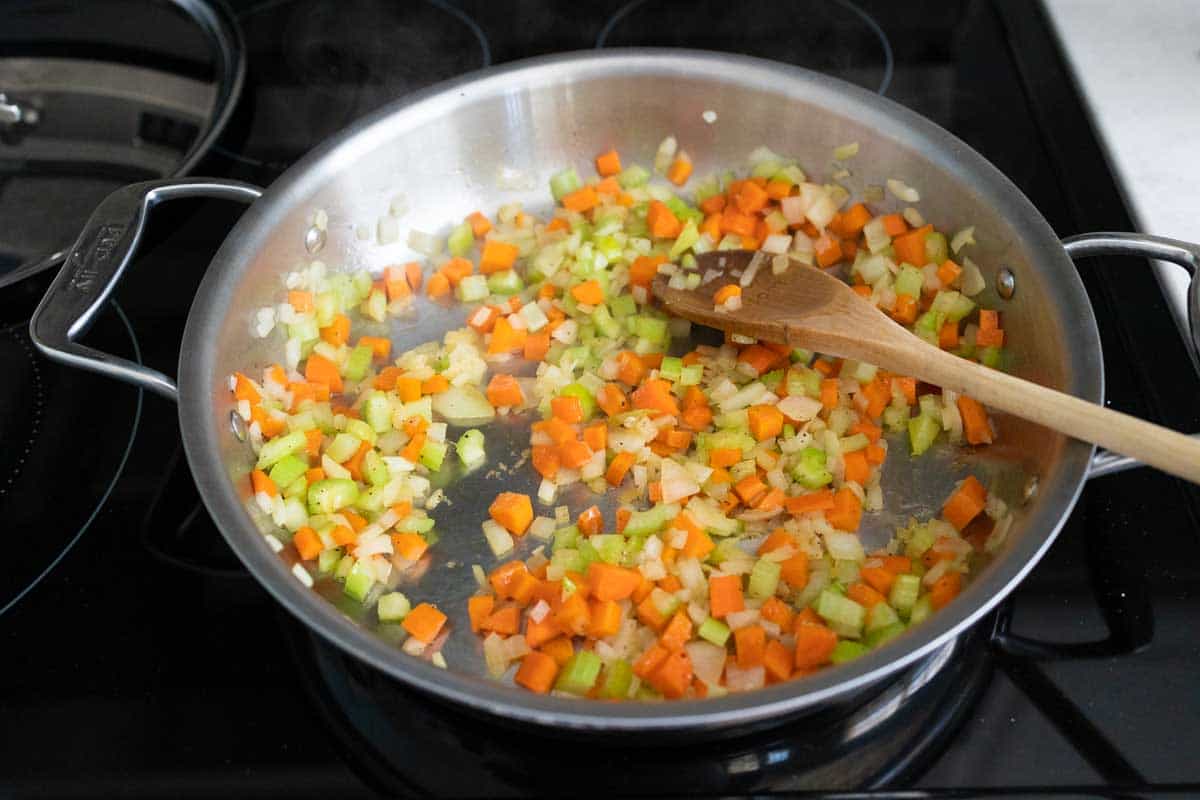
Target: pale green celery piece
x: 505, y: 282
x: 930, y: 406
x: 936, y: 248
x: 326, y: 307
x: 564, y: 182
x: 764, y: 578
x: 633, y: 176
x: 328, y: 560
x: 609, y: 546
x: 432, y: 455
x: 845, y: 651
x: 651, y: 520
x: 990, y: 356
x: 461, y: 240
x: 881, y: 615
x: 343, y: 446
x: 330, y: 495
x: 952, y: 304
x: 921, y: 610
x: 895, y: 418
x: 909, y: 281
x: 691, y: 375
x: 687, y: 237
x: 605, y: 323
x: 618, y: 677
x: 375, y: 306
x: 623, y: 306
x: 856, y: 442
x: 903, y: 594
x: 375, y: 469
x: 579, y: 673
x: 715, y: 631
x: 683, y: 211
x: 393, y: 607
x: 843, y: 614
x: 883, y: 635
x: 568, y: 559
x: 653, y: 329
x: 359, y: 582
x: 671, y: 368
x: 279, y: 447
x: 305, y: 330
x: 362, y: 282
x: 922, y: 430
x: 473, y: 288
x: 377, y: 412
x: 356, y: 427
x: 470, y: 448
x: 297, y: 488
x: 287, y: 469
x: 566, y: 538
x: 358, y: 362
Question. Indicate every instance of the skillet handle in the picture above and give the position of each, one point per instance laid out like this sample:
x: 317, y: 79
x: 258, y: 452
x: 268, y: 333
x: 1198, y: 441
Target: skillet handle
x: 95, y: 265
x: 1184, y: 254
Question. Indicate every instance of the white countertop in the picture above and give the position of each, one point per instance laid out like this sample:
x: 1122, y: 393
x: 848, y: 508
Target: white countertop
x: 1137, y: 64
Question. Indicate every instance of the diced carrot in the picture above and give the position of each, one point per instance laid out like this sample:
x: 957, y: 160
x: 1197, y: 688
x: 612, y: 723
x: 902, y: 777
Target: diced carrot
x: 568, y: 409
x: 877, y: 578
x: 673, y: 676
x: 724, y: 457
x: 536, y: 346
x: 590, y: 521
x: 863, y: 291
x: 677, y: 632
x: 610, y: 582
x: 907, y: 387
x: 777, y: 660
x: 505, y: 621
x: 558, y: 431
x: 679, y: 171
x: 751, y: 198
x: 650, y: 661
x: 537, y: 672
x: 456, y: 269
x: 829, y: 393
x: 846, y: 513
x: 337, y: 333
x: 503, y: 390
x: 545, y: 460
x: 512, y: 510
x: 644, y: 268
x: 726, y: 292
x: 608, y: 163
x: 760, y: 357
x: 989, y: 338
x: 875, y: 454
x: 910, y: 248
x: 343, y: 536
x: 588, y: 292
x: 656, y: 395
x: 725, y: 595
x: 649, y: 615
x: 435, y: 384
x: 948, y: 336
x: 480, y: 225
x: 814, y: 645
x: 438, y: 286
x: 894, y: 225
x: 820, y: 500
x: 301, y: 301
x: 580, y: 200
x: 750, y: 643
x: 559, y: 649
x: 620, y: 465
x: 318, y: 369
x: 307, y: 543
x: 905, y: 310
x: 750, y: 489
x: 662, y: 221
x: 596, y: 436
x: 630, y: 369
x: 967, y: 502
x: 897, y: 565
x: 574, y: 454
x: 765, y: 421
x: 497, y: 256
x: 381, y: 347
x: 424, y: 622
x: 479, y: 608
x: 948, y: 272
x: 857, y: 468
x: 945, y: 589
x: 712, y: 225
x: 828, y: 250
x: 408, y: 388
x: 557, y: 224
x: 975, y: 422
x: 864, y: 594
x: 409, y: 546
x: 713, y: 204
x: 573, y: 615
x: 853, y: 220
x: 605, y: 619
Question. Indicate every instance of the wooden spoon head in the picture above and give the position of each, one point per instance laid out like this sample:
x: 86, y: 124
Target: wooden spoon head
x: 802, y: 306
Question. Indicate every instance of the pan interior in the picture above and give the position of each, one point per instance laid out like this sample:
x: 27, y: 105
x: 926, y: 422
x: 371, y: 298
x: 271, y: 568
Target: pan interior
x: 495, y: 139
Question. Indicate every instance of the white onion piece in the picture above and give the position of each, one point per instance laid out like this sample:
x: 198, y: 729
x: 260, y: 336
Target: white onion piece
x: 963, y: 238
x: 903, y: 191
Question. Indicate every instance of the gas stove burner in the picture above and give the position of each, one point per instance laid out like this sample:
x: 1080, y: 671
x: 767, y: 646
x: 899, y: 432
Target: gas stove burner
x: 64, y: 438
x: 317, y: 65
x: 406, y: 744
x: 835, y: 37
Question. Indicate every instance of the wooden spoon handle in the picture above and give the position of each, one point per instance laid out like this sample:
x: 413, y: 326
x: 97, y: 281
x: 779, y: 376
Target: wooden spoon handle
x: 1153, y: 444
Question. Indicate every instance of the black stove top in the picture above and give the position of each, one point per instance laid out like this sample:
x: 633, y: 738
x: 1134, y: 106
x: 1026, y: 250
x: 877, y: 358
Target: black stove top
x: 146, y: 662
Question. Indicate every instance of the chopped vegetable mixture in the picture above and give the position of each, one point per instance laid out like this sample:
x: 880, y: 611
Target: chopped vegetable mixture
x: 743, y: 469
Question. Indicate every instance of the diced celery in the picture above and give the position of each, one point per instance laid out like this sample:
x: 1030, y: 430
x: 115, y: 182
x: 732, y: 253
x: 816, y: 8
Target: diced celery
x: 691, y: 375
x: 358, y: 362
x: 922, y: 430
x: 845, y: 651
x: 287, y: 470
x: 895, y: 418
x: 564, y: 182
x: 856, y: 442
x: 622, y: 306
x: 687, y: 237
x: 359, y: 582
x: 633, y: 176
x: 880, y: 616
x: 586, y: 400
x: 393, y: 607
x: 928, y: 325
x: 810, y: 471
x: 344, y: 566
x: 461, y: 240
x: 651, y: 520
x: 377, y: 412
x: 374, y: 469
x: 362, y: 282
x: 845, y: 571
x: 618, y: 677
x: 709, y: 516
x: 279, y: 447
x: 375, y: 306
x: 904, y: 593
x: 470, y: 448
x: 304, y: 329
x: 772, y: 379
x: 920, y: 540
x: 433, y: 454
x: 505, y: 282
x: 415, y: 523
x: 715, y: 631
x: 328, y: 560
x: 671, y: 368
x: 325, y: 307
x: 343, y: 446
x: 609, y: 546
x: 727, y: 440
x: 567, y: 538
x: 473, y: 288
x: 651, y: 328
x: 843, y: 614
x: 885, y: 634
x: 801, y: 356
x: 664, y: 602
x: 936, y: 248
x: 605, y: 323
x: 764, y: 578
x: 804, y: 381
x: 909, y: 281
x: 356, y: 427
x: 330, y: 495
x: 990, y: 356
x: 297, y: 488
x: 587, y: 554
x: 921, y: 610
x: 954, y: 305
x: 579, y: 673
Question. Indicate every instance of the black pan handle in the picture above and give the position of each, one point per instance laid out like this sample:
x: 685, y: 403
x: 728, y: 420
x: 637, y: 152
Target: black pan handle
x: 94, y: 267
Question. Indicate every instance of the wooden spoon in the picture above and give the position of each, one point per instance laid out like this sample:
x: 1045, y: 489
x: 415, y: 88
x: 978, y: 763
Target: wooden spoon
x: 805, y: 307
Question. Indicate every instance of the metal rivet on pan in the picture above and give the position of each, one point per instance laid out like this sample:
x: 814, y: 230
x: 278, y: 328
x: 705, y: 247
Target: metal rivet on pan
x: 237, y: 425
x: 1006, y: 283
x: 1029, y: 490
x: 314, y: 240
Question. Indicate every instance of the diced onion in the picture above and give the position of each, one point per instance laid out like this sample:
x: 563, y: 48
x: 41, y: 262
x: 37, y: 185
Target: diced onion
x: 845, y: 151
x: 963, y: 238
x: 903, y: 191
